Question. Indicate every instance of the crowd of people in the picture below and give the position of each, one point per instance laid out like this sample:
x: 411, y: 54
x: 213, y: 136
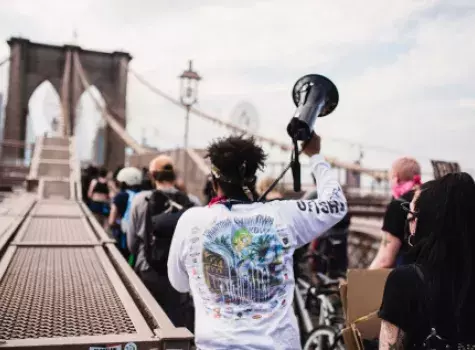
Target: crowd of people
x: 224, y: 268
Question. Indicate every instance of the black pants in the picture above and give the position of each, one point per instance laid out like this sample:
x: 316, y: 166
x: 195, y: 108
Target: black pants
x: 177, y: 306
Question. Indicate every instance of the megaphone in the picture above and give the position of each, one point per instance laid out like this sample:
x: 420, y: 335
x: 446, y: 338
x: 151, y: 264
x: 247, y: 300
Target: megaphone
x: 315, y: 96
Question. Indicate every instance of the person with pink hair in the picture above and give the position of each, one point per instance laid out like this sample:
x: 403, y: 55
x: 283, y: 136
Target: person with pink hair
x: 405, y: 179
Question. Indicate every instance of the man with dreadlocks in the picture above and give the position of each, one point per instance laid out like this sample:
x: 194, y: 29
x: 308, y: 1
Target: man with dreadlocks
x: 235, y: 255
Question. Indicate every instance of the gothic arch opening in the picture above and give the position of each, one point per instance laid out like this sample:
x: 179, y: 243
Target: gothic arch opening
x: 44, y: 106
x: 44, y: 112
x: 89, y: 127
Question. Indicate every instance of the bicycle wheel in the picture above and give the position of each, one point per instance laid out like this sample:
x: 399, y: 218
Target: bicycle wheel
x: 324, y: 338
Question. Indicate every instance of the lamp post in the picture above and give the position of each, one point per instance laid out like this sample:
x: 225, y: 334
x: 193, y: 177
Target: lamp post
x: 189, y: 80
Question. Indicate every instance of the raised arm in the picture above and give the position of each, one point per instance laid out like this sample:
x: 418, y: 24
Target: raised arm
x: 308, y: 219
x: 90, y: 190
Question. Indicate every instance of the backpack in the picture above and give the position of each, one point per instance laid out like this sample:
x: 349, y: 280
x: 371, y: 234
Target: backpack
x: 124, y: 223
x: 161, y: 218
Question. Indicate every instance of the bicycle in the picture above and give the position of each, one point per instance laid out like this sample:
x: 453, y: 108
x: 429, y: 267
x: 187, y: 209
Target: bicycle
x: 322, y: 300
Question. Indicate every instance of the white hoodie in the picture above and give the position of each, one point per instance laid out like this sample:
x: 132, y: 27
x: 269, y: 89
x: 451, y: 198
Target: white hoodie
x: 238, y: 265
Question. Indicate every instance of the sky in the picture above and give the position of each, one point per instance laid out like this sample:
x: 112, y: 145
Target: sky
x: 405, y: 69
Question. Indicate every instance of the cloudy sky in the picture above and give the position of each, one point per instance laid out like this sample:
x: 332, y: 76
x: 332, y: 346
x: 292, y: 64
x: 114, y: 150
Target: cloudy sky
x: 405, y: 69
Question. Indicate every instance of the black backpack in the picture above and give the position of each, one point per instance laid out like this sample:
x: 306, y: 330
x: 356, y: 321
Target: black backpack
x: 163, y: 212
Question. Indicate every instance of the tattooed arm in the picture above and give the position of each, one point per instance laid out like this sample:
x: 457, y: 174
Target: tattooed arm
x: 387, y: 252
x: 390, y: 337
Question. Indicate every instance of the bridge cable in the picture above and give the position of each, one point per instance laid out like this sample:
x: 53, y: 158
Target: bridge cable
x: 378, y: 174
x: 272, y: 142
x: 110, y: 120
x: 231, y: 126
x: 64, y: 122
x: 5, y: 60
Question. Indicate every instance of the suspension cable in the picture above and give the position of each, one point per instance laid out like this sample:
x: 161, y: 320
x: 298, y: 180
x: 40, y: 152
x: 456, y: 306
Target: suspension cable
x: 5, y: 60
x: 64, y: 122
x: 379, y: 174
x: 231, y: 126
x: 114, y: 124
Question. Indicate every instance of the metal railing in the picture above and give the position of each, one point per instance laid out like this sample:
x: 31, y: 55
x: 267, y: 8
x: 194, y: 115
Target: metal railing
x: 64, y: 284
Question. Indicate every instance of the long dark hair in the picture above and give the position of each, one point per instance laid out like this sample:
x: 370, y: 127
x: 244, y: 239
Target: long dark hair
x: 445, y: 239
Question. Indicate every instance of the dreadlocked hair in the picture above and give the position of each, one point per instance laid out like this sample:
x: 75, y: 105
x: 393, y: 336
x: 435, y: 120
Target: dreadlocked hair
x: 237, y: 158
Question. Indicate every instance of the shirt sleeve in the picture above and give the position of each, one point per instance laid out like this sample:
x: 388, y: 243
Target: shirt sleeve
x: 118, y: 199
x: 308, y: 219
x: 402, y: 305
x: 133, y: 227
x: 177, y: 273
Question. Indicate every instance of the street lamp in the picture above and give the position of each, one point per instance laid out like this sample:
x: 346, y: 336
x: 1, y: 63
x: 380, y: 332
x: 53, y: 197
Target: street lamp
x: 189, y: 80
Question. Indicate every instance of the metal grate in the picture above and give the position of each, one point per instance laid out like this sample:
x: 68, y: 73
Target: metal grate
x: 56, y: 141
x: 57, y: 209
x: 55, y: 154
x: 59, y: 189
x: 361, y: 250
x: 56, y: 230
x: 54, y: 169
x: 16, y: 204
x: 59, y: 292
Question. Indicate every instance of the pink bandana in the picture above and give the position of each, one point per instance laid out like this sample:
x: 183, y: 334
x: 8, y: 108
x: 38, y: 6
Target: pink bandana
x: 404, y: 187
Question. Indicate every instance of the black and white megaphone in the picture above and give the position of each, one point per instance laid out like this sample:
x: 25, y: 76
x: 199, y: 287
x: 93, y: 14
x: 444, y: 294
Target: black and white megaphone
x: 315, y: 96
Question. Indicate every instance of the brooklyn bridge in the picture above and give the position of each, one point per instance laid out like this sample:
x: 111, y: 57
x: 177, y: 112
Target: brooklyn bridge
x: 62, y: 279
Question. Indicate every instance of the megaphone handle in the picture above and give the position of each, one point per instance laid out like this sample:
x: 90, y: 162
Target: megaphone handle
x: 296, y: 168
x: 291, y: 164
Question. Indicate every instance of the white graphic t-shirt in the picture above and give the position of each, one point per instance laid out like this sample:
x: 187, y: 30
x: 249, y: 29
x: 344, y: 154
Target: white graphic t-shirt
x: 237, y: 263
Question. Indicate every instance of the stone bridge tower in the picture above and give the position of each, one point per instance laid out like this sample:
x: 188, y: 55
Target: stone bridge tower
x: 32, y: 63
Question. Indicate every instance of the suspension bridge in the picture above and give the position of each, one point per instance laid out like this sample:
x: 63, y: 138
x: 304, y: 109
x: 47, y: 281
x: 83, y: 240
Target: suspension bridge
x: 63, y: 283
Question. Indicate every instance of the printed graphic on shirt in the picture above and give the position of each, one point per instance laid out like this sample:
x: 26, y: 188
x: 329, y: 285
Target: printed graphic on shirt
x: 325, y: 207
x: 246, y: 264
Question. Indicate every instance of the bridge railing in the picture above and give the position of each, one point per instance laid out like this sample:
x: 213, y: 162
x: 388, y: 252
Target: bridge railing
x: 15, y: 152
x: 57, y: 247
x: 15, y: 158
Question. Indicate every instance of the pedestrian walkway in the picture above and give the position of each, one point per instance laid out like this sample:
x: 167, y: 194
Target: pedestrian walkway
x: 63, y: 284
